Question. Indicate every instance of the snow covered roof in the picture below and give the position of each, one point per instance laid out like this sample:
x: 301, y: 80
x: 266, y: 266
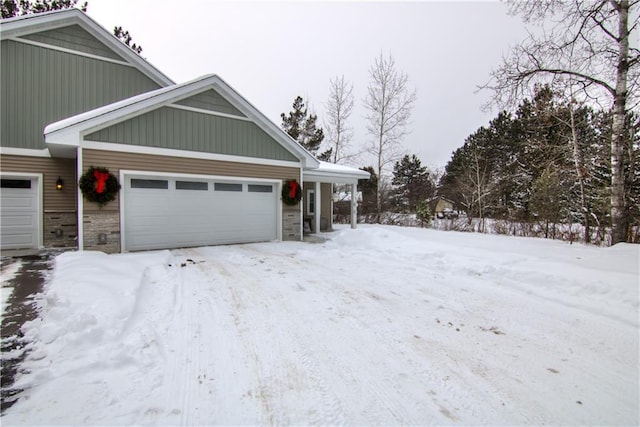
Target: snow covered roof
x: 331, y: 172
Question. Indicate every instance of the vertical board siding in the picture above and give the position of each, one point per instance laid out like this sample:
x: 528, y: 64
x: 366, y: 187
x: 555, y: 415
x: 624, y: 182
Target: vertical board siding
x: 211, y: 100
x: 116, y: 161
x: 173, y: 128
x: 41, y: 86
x: 74, y: 37
x: 54, y: 200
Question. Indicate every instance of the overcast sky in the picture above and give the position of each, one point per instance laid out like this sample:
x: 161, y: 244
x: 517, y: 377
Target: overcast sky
x: 271, y: 52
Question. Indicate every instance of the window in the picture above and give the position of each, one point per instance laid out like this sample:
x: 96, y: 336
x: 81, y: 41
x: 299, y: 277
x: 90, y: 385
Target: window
x: 254, y: 188
x: 225, y: 186
x: 150, y: 183
x: 15, y: 183
x: 192, y: 185
x: 311, y: 202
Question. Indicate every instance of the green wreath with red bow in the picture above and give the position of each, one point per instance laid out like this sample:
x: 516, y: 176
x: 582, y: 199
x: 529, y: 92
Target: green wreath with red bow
x: 99, y: 185
x: 291, y: 192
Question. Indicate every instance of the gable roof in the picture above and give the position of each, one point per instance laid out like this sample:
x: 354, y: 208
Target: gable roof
x: 14, y: 28
x: 64, y: 136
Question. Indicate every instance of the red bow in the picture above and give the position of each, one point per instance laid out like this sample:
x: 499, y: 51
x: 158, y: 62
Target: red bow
x: 101, y: 180
x: 293, y: 187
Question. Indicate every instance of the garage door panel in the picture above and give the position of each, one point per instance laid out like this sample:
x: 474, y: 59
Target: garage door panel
x: 19, y: 213
x: 13, y: 204
x: 210, y: 212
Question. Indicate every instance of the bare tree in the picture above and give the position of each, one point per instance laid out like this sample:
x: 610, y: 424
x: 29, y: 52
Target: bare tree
x: 339, y: 108
x: 389, y: 101
x: 588, y: 44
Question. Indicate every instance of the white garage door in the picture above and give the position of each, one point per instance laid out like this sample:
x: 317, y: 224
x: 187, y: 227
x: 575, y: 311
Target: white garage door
x: 169, y: 212
x: 19, y: 218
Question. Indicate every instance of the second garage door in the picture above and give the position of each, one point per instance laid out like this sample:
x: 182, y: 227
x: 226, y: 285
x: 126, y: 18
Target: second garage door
x: 173, y: 212
x: 19, y: 218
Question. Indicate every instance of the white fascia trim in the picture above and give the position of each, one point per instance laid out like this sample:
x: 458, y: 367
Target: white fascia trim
x: 71, y: 51
x: 226, y: 178
x: 40, y: 196
x: 35, y: 23
x: 138, y: 149
x: 13, y: 151
x: 209, y: 112
x: 336, y: 178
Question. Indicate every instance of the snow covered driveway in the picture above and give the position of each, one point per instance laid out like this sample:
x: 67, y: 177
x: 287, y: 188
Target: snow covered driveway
x: 377, y: 326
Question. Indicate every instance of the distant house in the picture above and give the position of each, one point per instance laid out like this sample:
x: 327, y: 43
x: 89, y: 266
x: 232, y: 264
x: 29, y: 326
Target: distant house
x: 197, y: 163
x: 442, y: 208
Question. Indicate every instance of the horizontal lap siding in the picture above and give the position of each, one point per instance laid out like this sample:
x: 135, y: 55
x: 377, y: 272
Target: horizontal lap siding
x: 116, y: 161
x: 54, y: 200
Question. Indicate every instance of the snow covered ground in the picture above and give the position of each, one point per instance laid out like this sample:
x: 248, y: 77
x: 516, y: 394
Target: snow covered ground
x: 376, y: 326
x: 7, y: 272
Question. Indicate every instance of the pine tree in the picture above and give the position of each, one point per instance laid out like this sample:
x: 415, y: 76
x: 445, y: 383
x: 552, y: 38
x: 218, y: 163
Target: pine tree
x: 126, y: 38
x: 423, y: 213
x: 301, y: 126
x: 369, y: 188
x: 412, y: 182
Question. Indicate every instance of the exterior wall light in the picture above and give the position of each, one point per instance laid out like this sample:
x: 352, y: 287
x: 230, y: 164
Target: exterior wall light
x: 59, y: 184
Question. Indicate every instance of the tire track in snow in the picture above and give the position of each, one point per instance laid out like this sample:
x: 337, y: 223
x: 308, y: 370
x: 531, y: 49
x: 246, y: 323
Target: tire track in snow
x: 392, y: 403
x: 385, y: 389
x: 255, y: 302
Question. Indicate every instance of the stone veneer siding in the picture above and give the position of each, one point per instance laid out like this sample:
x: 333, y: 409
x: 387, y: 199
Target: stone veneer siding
x: 60, y: 229
x: 291, y: 222
x: 105, y: 223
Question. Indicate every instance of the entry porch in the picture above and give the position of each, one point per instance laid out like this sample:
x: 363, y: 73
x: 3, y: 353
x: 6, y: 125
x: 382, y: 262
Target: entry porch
x: 318, y: 195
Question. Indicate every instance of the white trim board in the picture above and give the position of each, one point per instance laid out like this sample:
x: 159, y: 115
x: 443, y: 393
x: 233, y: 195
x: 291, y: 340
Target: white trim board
x: 30, y: 152
x: 139, y: 149
x: 209, y: 112
x: 71, y: 51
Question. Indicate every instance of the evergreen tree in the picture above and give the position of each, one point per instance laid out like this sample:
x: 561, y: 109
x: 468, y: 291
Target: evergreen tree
x: 125, y: 38
x: 423, y: 213
x: 412, y: 183
x: 369, y: 188
x: 11, y: 8
x: 301, y: 126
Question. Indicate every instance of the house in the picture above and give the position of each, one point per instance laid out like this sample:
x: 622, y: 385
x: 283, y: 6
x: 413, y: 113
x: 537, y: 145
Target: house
x: 188, y: 164
x: 442, y: 208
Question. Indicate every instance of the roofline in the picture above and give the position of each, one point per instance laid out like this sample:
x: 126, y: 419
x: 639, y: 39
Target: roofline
x: 37, y: 22
x: 68, y: 132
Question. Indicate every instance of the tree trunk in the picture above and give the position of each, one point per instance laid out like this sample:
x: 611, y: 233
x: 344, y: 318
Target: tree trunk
x: 580, y: 172
x: 379, y: 183
x: 618, y: 137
